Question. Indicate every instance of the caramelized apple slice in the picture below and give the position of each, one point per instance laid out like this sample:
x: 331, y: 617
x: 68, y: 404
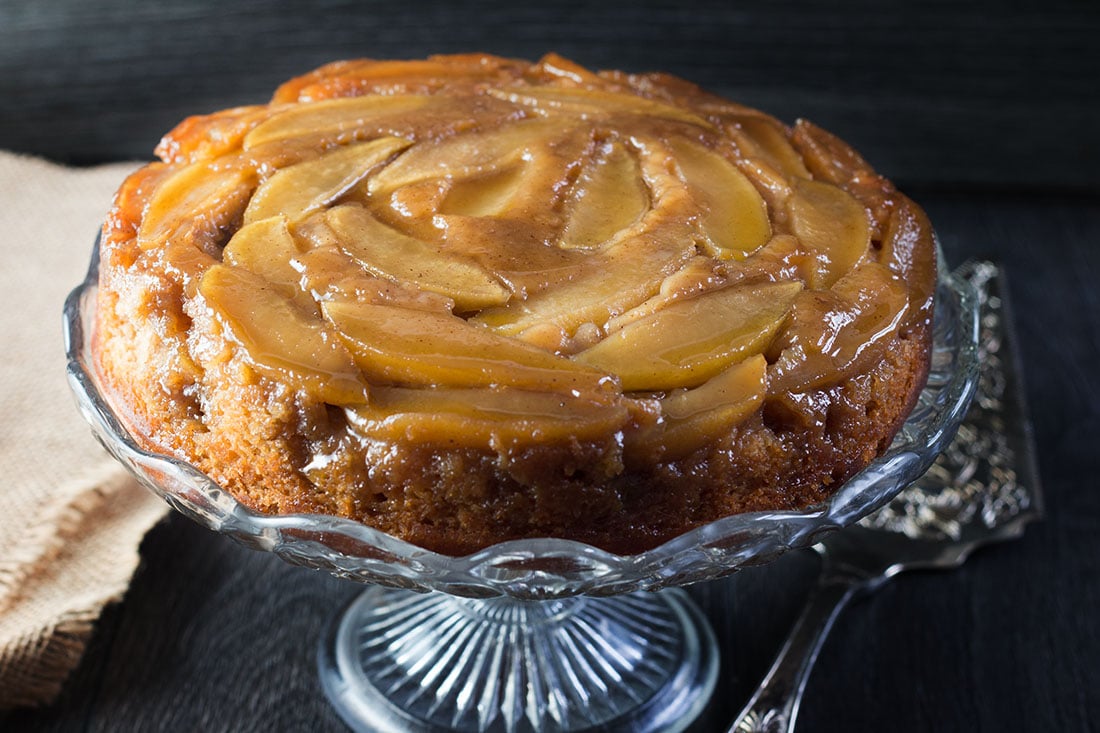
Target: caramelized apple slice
x: 279, y: 338
x: 697, y: 276
x: 734, y: 217
x: 909, y: 250
x: 466, y: 156
x: 827, y: 156
x: 393, y: 255
x: 833, y: 225
x: 739, y: 388
x: 498, y: 418
x: 625, y: 274
x: 300, y: 189
x: 834, y: 334
x: 563, y: 68
x: 209, y: 136
x: 266, y: 248
x: 423, y: 348
x: 773, y: 185
x: 782, y: 258
x: 341, y: 78
x: 519, y: 250
x: 484, y: 195
x: 609, y: 196
x: 217, y: 189
x: 692, y: 418
x: 331, y: 274
x: 690, y: 341
x: 765, y: 138
x: 579, y: 102
x: 524, y: 187
x: 336, y: 119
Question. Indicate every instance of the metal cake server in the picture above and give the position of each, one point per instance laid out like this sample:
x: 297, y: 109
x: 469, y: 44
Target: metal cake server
x: 984, y: 488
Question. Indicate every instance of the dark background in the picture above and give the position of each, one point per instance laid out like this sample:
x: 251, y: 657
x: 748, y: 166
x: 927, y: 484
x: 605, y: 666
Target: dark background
x: 949, y: 92
x: 986, y: 112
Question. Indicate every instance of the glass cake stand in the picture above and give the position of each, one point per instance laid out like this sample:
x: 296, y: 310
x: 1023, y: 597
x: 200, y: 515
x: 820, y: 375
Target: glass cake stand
x: 533, y: 635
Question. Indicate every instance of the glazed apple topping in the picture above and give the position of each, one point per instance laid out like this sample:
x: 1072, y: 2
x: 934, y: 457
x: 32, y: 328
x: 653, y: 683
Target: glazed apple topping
x: 301, y: 189
x: 689, y: 418
x: 528, y: 263
x: 691, y: 340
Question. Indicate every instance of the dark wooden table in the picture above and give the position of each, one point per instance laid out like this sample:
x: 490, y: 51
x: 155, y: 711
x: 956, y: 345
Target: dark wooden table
x: 986, y: 115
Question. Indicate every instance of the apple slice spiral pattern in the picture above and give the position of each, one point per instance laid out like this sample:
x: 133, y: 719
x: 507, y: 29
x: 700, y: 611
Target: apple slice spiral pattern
x: 639, y: 199
x: 510, y: 256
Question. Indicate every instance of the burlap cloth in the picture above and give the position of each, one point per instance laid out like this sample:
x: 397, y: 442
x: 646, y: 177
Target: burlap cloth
x: 70, y: 518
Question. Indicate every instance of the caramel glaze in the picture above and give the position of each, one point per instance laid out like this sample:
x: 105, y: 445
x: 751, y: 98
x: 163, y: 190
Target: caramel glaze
x: 835, y: 378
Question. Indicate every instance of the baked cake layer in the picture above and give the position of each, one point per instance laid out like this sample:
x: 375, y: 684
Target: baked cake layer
x: 471, y: 299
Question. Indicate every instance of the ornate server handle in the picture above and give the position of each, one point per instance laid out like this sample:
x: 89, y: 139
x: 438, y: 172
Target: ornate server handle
x: 774, y: 707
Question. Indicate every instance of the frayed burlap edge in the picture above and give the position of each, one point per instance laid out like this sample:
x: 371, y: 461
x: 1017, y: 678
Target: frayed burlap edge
x: 49, y: 620
x: 41, y: 543
x: 34, y: 667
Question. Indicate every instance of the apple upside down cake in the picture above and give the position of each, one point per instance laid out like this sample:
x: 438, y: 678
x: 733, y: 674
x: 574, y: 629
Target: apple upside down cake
x: 471, y: 299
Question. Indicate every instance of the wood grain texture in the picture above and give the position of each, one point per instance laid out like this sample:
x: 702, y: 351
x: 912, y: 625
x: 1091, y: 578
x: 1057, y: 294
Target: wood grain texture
x: 216, y: 637
x: 971, y: 92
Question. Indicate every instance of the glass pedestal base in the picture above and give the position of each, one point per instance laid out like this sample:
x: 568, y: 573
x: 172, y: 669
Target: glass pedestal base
x: 401, y: 661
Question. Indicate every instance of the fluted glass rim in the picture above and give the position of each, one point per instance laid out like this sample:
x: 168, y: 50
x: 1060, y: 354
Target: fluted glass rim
x: 547, y: 567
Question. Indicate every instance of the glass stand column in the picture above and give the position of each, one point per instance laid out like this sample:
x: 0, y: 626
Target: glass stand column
x: 399, y: 661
